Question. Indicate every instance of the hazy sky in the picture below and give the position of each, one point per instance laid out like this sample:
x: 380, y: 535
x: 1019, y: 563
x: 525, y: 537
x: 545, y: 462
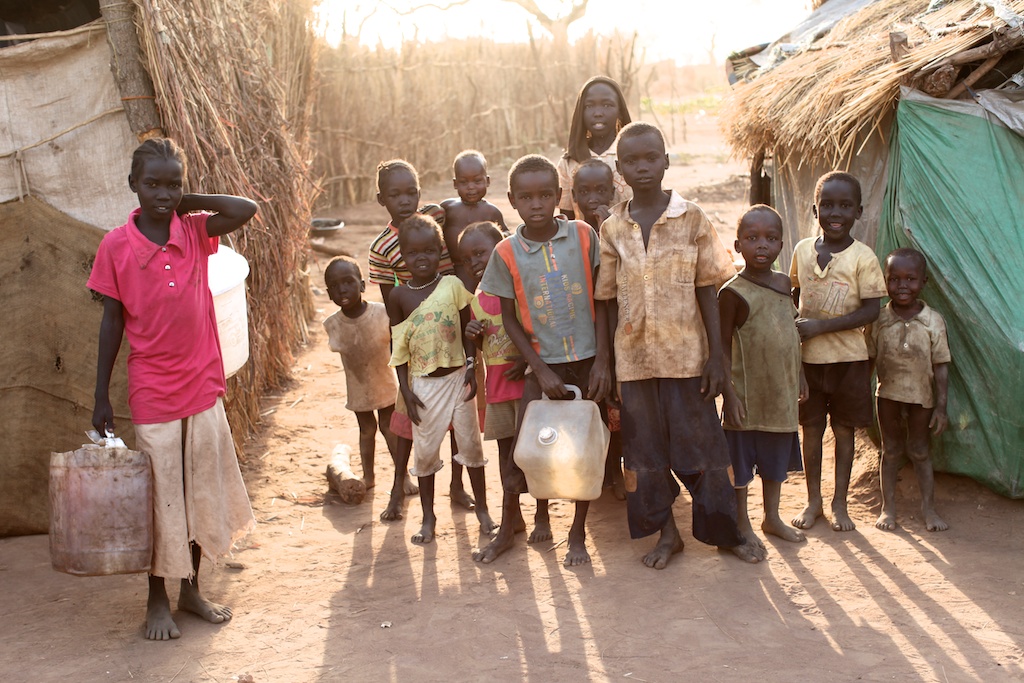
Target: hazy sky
x: 678, y: 29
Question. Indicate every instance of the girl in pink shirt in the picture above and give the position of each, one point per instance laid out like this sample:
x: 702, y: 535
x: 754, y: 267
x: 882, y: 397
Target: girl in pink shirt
x: 152, y: 273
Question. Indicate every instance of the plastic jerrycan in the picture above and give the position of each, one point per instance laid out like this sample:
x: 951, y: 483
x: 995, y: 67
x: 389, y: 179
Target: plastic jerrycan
x: 562, y: 447
x: 101, y: 510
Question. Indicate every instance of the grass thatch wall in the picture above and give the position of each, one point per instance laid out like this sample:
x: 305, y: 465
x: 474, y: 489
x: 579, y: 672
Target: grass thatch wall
x: 427, y: 102
x: 233, y: 82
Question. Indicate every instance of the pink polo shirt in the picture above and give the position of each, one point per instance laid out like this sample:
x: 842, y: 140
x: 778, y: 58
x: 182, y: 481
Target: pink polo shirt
x: 174, y: 368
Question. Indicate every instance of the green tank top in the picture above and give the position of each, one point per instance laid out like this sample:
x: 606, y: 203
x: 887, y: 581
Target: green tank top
x: 766, y: 358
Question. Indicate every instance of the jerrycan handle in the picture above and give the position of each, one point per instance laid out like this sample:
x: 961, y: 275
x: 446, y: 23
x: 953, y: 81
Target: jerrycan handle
x: 571, y: 387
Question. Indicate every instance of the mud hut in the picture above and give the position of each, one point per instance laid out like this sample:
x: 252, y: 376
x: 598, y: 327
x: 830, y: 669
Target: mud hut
x: 231, y: 81
x: 924, y: 102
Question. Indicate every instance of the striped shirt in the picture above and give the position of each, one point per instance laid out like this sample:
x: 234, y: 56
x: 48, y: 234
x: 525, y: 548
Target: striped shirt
x: 387, y: 267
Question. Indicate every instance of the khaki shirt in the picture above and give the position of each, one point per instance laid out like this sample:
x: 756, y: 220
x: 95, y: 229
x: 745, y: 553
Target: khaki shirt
x: 851, y: 276
x: 905, y: 353
x: 660, y: 332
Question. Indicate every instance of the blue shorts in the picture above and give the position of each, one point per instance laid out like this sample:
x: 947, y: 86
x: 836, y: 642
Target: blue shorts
x: 770, y: 454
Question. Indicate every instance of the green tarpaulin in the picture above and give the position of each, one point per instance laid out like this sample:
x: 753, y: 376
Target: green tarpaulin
x: 956, y: 193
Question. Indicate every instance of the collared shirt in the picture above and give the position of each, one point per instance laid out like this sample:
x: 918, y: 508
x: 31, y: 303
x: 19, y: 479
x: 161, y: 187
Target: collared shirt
x: 566, y: 167
x: 174, y: 367
x: 364, y: 344
x: 906, y: 352
x: 386, y: 262
x: 660, y: 332
x: 553, y: 285
x: 851, y: 276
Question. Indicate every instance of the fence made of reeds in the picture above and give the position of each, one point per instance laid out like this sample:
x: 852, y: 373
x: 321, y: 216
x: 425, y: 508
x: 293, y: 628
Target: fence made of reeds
x: 425, y: 102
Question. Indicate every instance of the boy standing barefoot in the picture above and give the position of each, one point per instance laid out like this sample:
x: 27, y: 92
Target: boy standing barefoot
x: 908, y: 345
x: 661, y: 265
x: 837, y: 286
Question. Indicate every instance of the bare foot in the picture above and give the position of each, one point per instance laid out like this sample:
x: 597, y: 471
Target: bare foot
x: 426, y: 533
x: 463, y: 499
x: 749, y: 552
x: 841, y: 519
x: 753, y: 539
x: 369, y: 482
x: 541, y: 532
x: 394, y: 509
x: 577, y: 554
x: 518, y: 523
x: 662, y: 553
x: 886, y: 521
x: 776, y: 527
x: 159, y: 625
x: 934, y: 523
x: 807, y: 518
x: 192, y: 601
x: 487, y: 525
x: 409, y: 488
x: 492, y: 550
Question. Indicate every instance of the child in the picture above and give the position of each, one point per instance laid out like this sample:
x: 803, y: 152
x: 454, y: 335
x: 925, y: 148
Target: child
x: 398, y: 191
x: 593, y: 189
x: 428, y: 314
x: 661, y: 265
x: 599, y: 115
x: 471, y: 182
x: 544, y: 272
x: 152, y: 273
x: 361, y: 334
x: 909, y: 348
x: 762, y: 356
x: 505, y: 367
x: 837, y: 286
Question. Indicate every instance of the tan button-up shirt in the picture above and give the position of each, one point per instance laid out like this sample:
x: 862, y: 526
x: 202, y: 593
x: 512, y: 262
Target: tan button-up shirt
x: 905, y: 353
x: 660, y: 332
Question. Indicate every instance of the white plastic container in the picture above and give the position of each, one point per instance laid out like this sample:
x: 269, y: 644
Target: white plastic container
x: 228, y: 270
x: 562, y: 448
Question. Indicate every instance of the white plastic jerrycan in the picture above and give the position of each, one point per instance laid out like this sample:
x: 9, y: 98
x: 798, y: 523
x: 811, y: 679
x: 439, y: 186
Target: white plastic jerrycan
x: 562, y: 447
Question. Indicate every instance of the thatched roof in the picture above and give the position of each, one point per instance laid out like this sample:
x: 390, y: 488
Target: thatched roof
x: 817, y: 101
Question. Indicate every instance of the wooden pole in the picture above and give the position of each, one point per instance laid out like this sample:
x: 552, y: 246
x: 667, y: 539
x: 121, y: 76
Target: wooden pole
x: 133, y: 82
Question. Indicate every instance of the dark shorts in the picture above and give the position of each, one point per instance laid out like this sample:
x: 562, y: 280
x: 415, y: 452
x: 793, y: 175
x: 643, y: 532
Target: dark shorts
x: 840, y: 390
x: 577, y: 372
x: 668, y: 428
x: 769, y: 454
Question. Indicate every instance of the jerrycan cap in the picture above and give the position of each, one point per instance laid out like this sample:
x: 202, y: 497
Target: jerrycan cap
x: 547, y: 436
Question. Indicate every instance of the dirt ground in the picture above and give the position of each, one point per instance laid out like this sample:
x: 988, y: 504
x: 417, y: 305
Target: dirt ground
x: 323, y: 591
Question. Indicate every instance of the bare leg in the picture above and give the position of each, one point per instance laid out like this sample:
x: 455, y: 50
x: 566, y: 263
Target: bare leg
x: 191, y: 600
x: 384, y: 425
x: 505, y: 452
x: 893, y: 435
x: 541, y: 524
x: 506, y: 532
x: 917, y: 448
x: 772, y: 523
x: 578, y: 554
x: 479, y: 484
x: 813, y: 434
x: 458, y: 490
x: 367, y: 444
x: 401, y: 457
x: 743, y: 518
x: 844, y: 470
x: 668, y: 545
x: 159, y: 624
x: 426, y: 533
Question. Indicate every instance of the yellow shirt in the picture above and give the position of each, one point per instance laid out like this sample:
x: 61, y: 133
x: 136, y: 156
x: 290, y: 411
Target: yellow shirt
x: 431, y: 337
x: 906, y: 352
x: 851, y: 276
x: 660, y: 332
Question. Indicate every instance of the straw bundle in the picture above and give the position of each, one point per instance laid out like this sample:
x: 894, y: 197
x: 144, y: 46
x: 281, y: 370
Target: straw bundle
x: 233, y: 82
x: 428, y: 101
x: 826, y: 101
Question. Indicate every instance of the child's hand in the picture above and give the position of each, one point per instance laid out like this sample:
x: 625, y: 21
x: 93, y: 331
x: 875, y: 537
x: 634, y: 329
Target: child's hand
x: 602, y: 213
x: 470, y: 384
x: 103, y: 416
x: 412, y: 405
x: 712, y: 379
x: 518, y: 369
x: 939, y: 420
x: 805, y: 390
x: 550, y: 383
x: 733, y: 409
x: 808, y: 328
x: 600, y: 382
x: 474, y: 329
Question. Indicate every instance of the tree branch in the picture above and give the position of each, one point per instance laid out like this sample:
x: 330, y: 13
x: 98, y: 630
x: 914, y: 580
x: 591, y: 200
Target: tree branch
x: 425, y: 5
